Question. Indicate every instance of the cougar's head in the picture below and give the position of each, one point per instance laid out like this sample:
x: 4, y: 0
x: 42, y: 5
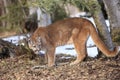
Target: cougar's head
x: 35, y: 44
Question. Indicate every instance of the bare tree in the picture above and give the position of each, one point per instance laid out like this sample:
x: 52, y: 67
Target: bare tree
x: 102, y: 26
x: 113, y: 11
x: 103, y: 29
x: 2, y: 12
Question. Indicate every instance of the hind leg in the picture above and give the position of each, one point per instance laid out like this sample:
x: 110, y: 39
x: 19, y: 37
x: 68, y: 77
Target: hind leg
x: 81, y: 52
x: 80, y: 47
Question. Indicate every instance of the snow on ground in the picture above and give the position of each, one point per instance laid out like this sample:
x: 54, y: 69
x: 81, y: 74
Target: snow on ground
x: 14, y: 39
x: 67, y: 49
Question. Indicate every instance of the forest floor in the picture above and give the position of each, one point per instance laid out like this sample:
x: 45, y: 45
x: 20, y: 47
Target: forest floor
x: 22, y: 68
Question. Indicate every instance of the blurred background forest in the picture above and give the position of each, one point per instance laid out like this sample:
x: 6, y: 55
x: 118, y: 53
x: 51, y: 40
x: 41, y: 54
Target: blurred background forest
x: 16, y: 14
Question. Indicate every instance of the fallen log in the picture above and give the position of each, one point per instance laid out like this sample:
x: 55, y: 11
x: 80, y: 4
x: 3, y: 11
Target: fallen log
x: 10, y: 50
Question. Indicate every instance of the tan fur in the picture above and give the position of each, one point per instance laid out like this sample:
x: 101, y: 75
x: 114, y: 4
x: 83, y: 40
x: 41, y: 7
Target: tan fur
x: 71, y: 30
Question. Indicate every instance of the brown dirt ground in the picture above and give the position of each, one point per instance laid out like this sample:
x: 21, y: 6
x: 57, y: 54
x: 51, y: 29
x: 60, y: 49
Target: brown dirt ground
x: 22, y: 68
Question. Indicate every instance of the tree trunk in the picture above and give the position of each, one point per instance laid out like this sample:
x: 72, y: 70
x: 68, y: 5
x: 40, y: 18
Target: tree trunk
x: 6, y: 11
x: 1, y: 2
x: 113, y: 11
x: 24, y: 13
x: 103, y: 29
x: 2, y: 12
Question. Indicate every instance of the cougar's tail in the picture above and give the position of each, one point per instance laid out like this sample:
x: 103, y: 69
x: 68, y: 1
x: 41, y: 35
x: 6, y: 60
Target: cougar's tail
x: 100, y: 44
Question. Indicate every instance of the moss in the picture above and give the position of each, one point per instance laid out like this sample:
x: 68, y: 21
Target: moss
x: 116, y: 36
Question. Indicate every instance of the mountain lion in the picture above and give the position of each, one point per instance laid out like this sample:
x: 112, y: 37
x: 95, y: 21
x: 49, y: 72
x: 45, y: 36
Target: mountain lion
x: 67, y: 31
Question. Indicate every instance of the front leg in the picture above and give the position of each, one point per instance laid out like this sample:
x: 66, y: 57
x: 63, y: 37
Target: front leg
x: 51, y: 57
